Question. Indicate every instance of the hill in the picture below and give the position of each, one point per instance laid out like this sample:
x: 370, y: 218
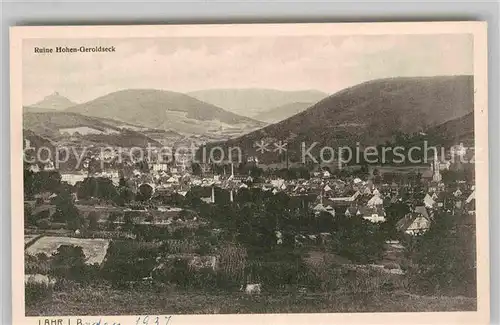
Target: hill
x: 72, y: 127
x: 53, y: 102
x: 252, y: 101
x: 282, y: 112
x: 370, y: 113
x: 31, y: 109
x: 165, y: 110
x: 456, y: 131
x: 32, y: 145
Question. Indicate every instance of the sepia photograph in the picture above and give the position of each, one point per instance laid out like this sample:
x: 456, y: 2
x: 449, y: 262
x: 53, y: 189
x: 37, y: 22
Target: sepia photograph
x: 314, y: 169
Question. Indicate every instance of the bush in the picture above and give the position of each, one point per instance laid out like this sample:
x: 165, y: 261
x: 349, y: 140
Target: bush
x: 358, y: 239
x: 69, y: 262
x: 34, y: 292
x: 44, y: 224
x: 38, y: 264
x: 278, y: 274
x: 129, y: 261
x: 182, y: 233
x: 179, y: 273
x: 204, y: 278
x: 204, y: 249
x: 442, y: 261
x: 93, y: 219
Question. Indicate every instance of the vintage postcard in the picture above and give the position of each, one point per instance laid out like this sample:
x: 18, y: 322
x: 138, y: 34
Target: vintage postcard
x: 275, y: 173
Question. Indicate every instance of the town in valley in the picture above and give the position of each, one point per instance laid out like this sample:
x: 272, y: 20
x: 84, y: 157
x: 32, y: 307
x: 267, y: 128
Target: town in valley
x: 110, y: 230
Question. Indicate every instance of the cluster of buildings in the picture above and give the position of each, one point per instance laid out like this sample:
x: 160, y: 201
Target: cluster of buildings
x: 322, y: 192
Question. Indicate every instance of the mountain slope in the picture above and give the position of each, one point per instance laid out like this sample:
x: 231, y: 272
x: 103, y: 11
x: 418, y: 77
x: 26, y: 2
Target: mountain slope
x: 282, y: 112
x: 31, y: 109
x: 370, y: 113
x: 32, y: 145
x: 54, y: 102
x: 252, y: 101
x: 66, y: 126
x: 166, y: 110
x: 456, y: 131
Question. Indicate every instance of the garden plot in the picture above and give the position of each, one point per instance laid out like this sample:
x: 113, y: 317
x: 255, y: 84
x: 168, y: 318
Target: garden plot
x: 94, y: 249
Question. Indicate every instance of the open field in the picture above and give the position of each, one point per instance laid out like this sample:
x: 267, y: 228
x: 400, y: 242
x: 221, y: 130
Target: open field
x: 94, y: 249
x: 107, y: 301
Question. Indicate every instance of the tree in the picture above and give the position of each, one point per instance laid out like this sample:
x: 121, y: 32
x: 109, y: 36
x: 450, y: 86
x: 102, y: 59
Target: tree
x: 128, y: 221
x: 93, y: 220
x: 324, y: 222
x: 256, y: 229
x: 394, y: 212
x: 113, y: 216
x: 143, y: 166
x: 68, y: 262
x: 98, y: 187
x: 43, y: 181
x: 443, y: 259
x: 125, y: 195
x: 29, y: 218
x: 196, y: 169
x: 128, y: 261
x: 28, y: 179
x: 66, y: 211
x: 122, y: 181
x: 358, y: 239
x: 145, y: 192
x: 143, y: 232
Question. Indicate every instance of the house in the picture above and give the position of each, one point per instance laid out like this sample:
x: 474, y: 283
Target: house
x: 373, y: 214
x: 445, y: 165
x: 376, y: 200
x: 49, y: 166
x: 427, y: 175
x: 458, y: 150
x: 470, y: 203
x: 157, y: 167
x: 350, y: 197
x: 429, y: 201
x: 322, y: 208
x: 352, y: 211
x: 416, y: 222
x: 172, y: 180
x: 277, y: 182
x: 34, y: 168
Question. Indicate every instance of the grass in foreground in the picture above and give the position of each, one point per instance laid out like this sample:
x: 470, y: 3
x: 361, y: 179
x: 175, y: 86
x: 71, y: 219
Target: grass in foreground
x: 107, y: 301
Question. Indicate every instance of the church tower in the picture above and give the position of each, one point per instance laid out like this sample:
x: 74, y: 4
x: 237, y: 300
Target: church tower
x: 436, y: 174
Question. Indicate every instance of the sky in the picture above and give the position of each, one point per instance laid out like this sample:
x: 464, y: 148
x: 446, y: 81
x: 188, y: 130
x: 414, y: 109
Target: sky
x: 325, y: 63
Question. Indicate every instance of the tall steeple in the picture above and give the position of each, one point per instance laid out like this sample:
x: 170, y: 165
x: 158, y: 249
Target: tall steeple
x: 436, y: 176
